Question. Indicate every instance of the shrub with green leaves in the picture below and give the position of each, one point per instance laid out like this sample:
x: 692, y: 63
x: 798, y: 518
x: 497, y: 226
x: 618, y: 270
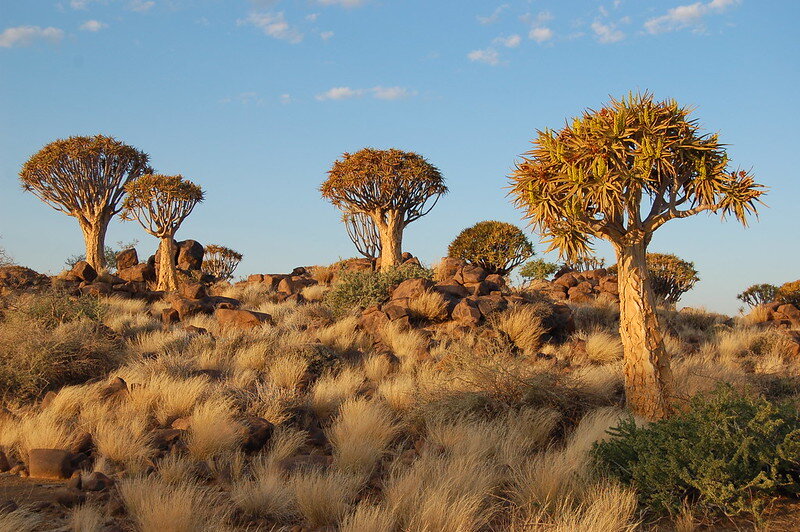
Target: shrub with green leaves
x: 497, y: 247
x: 55, y: 306
x: 789, y: 293
x: 729, y: 453
x: 670, y: 276
x: 538, y: 269
x: 758, y: 294
x: 362, y: 289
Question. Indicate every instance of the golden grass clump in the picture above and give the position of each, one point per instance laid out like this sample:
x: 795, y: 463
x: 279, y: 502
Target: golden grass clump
x: 331, y: 390
x: 212, y: 430
x: 288, y: 371
x: 86, y: 518
x: 156, y: 505
x: 20, y: 520
x: 603, y: 347
x: 323, y: 498
x: 368, y: 517
x: 428, y: 306
x: 522, y: 325
x: 361, y: 434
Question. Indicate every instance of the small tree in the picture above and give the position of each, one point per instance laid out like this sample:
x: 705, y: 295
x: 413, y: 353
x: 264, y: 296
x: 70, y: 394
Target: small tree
x: 670, y: 276
x: 789, y: 293
x: 220, y: 262
x: 392, y: 187
x: 161, y: 203
x: 363, y: 233
x: 538, y: 269
x: 497, y: 247
x: 84, y: 177
x: 758, y: 294
x: 619, y: 174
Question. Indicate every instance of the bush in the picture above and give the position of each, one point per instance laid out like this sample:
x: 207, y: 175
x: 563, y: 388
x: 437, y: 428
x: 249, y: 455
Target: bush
x: 728, y: 453
x: 362, y: 289
x: 55, y: 306
x: 538, y: 269
x: 670, y: 276
x: 497, y: 247
x: 758, y: 294
x: 789, y: 293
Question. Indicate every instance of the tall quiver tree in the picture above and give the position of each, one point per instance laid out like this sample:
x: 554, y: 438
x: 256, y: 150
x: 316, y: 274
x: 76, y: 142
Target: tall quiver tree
x: 392, y: 187
x: 84, y: 177
x: 619, y: 174
x: 161, y: 203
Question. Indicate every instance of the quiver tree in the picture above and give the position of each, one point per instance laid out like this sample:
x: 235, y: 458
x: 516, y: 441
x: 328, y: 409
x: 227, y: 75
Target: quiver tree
x: 392, y: 187
x: 220, y: 262
x: 758, y: 294
x: 84, y: 177
x: 619, y: 174
x: 161, y: 203
x: 363, y: 233
x: 497, y: 247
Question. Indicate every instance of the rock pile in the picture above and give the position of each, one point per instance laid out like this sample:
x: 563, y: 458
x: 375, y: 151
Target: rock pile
x: 16, y: 278
x: 581, y: 287
x: 780, y: 315
x: 289, y: 286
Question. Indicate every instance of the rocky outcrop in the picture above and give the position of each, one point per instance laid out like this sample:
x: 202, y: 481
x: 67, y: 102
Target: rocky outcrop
x: 16, y: 278
x: 580, y: 287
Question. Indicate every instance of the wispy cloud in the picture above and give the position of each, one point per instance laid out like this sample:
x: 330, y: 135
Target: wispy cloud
x: 93, y: 25
x: 541, y: 34
x: 512, y: 41
x: 379, y: 93
x: 495, y: 16
x: 274, y: 25
x: 26, y: 35
x: 285, y: 98
x: 540, y: 31
x: 245, y: 98
x: 607, y: 33
x: 490, y: 56
x: 686, y: 16
x: 140, y: 5
x: 325, y: 35
x: 343, y: 3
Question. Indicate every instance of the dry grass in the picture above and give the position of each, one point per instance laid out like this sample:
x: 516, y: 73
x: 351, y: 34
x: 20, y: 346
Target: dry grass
x: 343, y: 336
x: 20, y: 520
x: 158, y: 506
x: 125, y: 439
x: 86, y: 518
x: 212, y: 431
x: 603, y: 347
x: 368, y: 517
x: 314, y: 293
x: 361, y: 435
x: 522, y: 326
x: 46, y: 430
x: 399, y: 391
x: 324, y: 498
x: 288, y: 371
x: 331, y: 390
x: 266, y: 495
x: 428, y: 306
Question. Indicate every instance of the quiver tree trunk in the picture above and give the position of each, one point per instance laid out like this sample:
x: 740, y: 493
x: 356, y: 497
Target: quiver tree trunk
x: 94, y: 236
x: 167, y: 273
x: 391, y: 233
x: 648, y: 377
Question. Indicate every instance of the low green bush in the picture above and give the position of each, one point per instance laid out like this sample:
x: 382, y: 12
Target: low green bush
x: 729, y: 453
x: 53, y: 307
x: 362, y: 289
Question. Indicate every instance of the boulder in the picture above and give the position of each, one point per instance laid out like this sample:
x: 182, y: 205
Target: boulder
x: 138, y: 273
x: 241, y: 319
x: 470, y: 274
x: 567, y: 280
x: 451, y: 288
x: 69, y: 497
x: 188, y: 307
x: 396, y: 309
x: 448, y: 267
x: 83, y: 271
x: 4, y: 465
x: 466, y: 313
x: 259, y: 431
x: 190, y: 255
x: 127, y: 258
x: 411, y: 288
x: 18, y: 277
x: 193, y: 291
x: 55, y: 464
x: 491, y: 303
x: 255, y: 278
x: 169, y: 316
x: 96, y: 481
x: 373, y: 320
x: 791, y: 313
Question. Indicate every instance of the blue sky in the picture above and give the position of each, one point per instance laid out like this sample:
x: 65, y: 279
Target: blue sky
x: 254, y: 100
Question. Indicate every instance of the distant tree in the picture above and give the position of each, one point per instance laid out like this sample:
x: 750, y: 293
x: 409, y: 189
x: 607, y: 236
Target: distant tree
x: 392, y: 187
x: 220, y: 262
x: 789, y: 293
x: 758, y: 294
x: 497, y: 247
x: 585, y: 264
x: 85, y: 177
x: 670, y: 276
x: 161, y: 203
x: 363, y: 233
x: 619, y: 174
x: 538, y: 269
x: 5, y: 258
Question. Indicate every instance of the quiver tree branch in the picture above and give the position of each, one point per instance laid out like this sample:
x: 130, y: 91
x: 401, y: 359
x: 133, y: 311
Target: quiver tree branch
x: 160, y: 203
x: 85, y: 177
x: 363, y: 233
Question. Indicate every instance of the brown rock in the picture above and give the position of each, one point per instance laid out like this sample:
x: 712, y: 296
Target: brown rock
x: 53, y: 464
x: 182, y: 423
x: 69, y: 497
x: 138, y: 273
x: 4, y: 465
x: 490, y: 304
x: 84, y: 271
x: 255, y: 278
x: 170, y: 316
x: 273, y: 280
x: 791, y: 313
x: 451, y: 288
x: 193, y: 291
x: 448, y: 267
x: 115, y: 387
x: 190, y: 255
x: 568, y: 280
x: 127, y: 258
x: 163, y: 438
x: 241, y: 319
x: 373, y: 320
x: 396, y: 309
x: 17, y: 277
x: 466, y: 313
x: 96, y: 481
x: 259, y: 431
x: 470, y: 274
x: 188, y: 307
x: 411, y: 288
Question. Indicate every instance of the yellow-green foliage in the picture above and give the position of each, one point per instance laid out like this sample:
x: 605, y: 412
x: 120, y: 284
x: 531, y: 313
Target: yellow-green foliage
x: 790, y: 293
x: 497, y: 247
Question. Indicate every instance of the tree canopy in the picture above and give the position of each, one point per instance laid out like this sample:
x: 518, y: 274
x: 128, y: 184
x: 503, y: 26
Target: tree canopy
x: 497, y: 247
x: 161, y: 202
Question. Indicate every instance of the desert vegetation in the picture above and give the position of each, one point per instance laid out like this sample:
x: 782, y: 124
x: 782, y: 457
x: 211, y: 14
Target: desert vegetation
x: 384, y: 394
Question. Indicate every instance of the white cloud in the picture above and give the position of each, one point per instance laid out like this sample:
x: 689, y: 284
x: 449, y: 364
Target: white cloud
x: 140, y: 5
x: 541, y: 34
x: 488, y: 56
x: 606, y: 33
x: 512, y: 41
x: 379, y: 93
x: 274, y: 25
x: 495, y: 16
x: 343, y: 3
x: 26, y: 35
x: 312, y: 17
x: 325, y: 35
x: 93, y: 25
x: 78, y: 4
x: 685, y: 16
x: 285, y: 98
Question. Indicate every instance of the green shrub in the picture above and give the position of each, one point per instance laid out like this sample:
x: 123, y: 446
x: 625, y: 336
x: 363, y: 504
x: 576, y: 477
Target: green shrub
x: 789, y: 293
x: 497, y: 247
x: 538, y: 269
x: 728, y: 453
x: 55, y: 306
x: 362, y: 289
x: 758, y: 294
x: 670, y: 276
